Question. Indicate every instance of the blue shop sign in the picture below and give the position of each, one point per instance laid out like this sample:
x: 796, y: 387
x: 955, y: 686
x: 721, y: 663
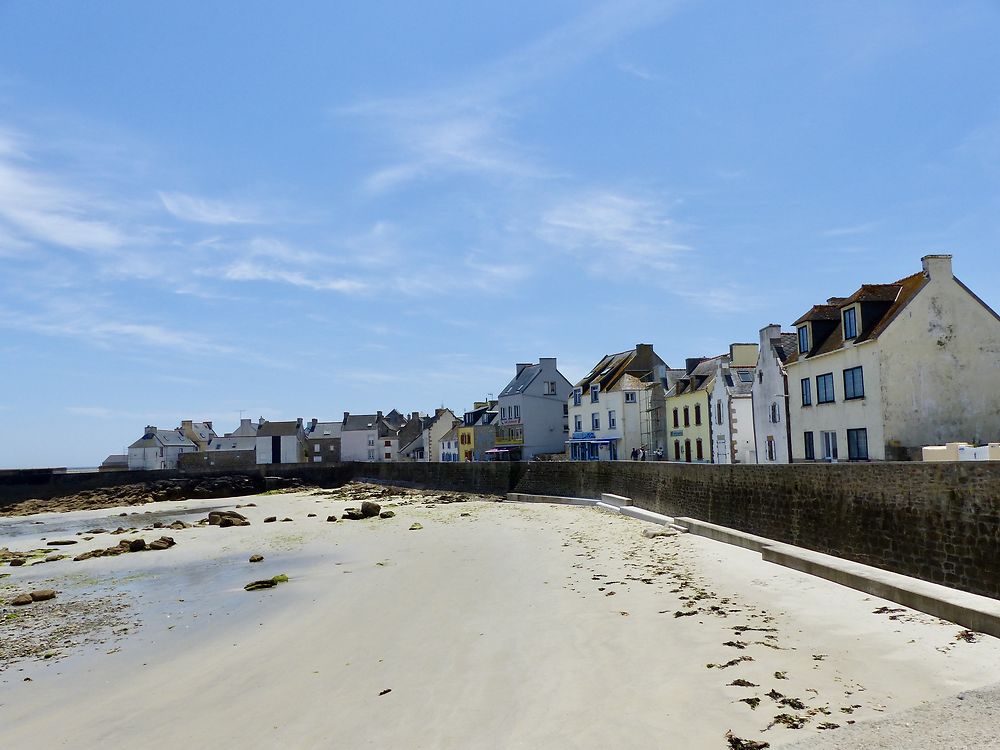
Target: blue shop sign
x: 677, y: 433
x: 583, y: 435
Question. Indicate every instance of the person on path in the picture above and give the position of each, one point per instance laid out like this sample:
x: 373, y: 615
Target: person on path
x: 635, y: 454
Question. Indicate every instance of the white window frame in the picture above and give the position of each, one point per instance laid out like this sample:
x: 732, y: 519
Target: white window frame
x: 612, y: 419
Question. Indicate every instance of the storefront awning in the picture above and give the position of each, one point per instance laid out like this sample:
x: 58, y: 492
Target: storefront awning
x: 498, y: 450
x: 603, y: 441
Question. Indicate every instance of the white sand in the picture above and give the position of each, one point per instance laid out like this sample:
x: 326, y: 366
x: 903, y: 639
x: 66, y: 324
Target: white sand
x: 489, y: 630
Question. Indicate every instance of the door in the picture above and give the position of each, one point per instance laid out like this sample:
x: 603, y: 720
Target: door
x: 829, y: 445
x: 687, y: 451
x: 275, y: 449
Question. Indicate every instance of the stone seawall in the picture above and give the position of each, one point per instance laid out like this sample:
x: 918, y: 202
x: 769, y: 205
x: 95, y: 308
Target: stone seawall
x: 939, y: 522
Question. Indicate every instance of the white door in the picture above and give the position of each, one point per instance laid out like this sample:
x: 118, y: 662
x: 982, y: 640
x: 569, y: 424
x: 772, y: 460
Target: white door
x: 829, y: 445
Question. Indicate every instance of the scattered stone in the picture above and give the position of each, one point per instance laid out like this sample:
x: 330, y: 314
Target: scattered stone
x: 285, y: 520
x: 226, y: 518
x: 256, y: 558
x: 386, y: 514
x: 250, y: 505
x: 42, y: 595
x: 738, y: 743
x: 331, y: 519
x: 415, y: 526
x: 61, y: 542
x: 97, y: 531
x: 54, y: 558
x: 781, y: 675
x: 270, y: 519
x: 969, y: 636
x: 353, y: 514
x: 370, y: 509
x: 384, y: 692
x: 21, y: 599
x: 164, y: 542
x: 158, y: 525
x: 310, y: 515
x: 177, y: 525
x: 137, y: 545
x: 16, y: 562
x: 742, y: 683
x: 465, y: 514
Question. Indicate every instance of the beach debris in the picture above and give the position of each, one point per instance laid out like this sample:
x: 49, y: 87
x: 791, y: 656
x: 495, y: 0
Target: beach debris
x: 386, y: 514
x: 787, y: 720
x: 969, y: 636
x: 736, y: 644
x: 415, y: 526
x: 738, y: 743
x: 266, y: 583
x: 828, y: 725
x: 256, y: 558
x: 61, y: 542
x: 658, y: 532
x: 331, y: 519
x: 742, y: 683
x: 730, y: 663
x: 385, y: 692
x: 270, y: 519
x: 681, y: 613
x: 752, y: 702
x: 781, y: 675
x: 464, y: 514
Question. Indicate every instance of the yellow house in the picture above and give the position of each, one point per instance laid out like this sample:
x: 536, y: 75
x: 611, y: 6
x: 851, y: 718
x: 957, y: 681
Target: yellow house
x: 477, y: 433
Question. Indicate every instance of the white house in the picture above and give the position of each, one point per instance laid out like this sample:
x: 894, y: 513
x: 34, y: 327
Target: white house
x: 359, y: 437
x: 771, y: 409
x: 434, y: 429
x: 533, y: 415
x: 731, y: 406
x: 606, y: 416
x: 448, y: 445
x: 281, y: 443
x: 895, y: 367
x: 158, y: 449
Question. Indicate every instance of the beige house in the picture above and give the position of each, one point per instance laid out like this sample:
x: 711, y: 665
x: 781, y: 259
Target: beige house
x: 895, y: 367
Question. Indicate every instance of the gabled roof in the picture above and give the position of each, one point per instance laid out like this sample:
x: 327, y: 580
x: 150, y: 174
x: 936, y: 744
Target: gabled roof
x: 887, y: 301
x: 360, y: 422
x: 451, y: 434
x: 203, y: 431
x: 784, y: 346
x: 699, y: 378
x: 522, y: 380
x: 163, y: 438
x: 639, y: 362
x: 324, y: 430
x: 409, y: 431
x: 278, y: 429
x: 394, y: 419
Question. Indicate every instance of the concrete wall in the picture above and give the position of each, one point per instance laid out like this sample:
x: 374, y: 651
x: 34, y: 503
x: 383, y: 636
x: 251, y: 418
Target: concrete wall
x: 218, y: 460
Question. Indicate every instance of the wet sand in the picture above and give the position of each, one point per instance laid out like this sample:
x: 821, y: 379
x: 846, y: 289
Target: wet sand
x: 514, y: 626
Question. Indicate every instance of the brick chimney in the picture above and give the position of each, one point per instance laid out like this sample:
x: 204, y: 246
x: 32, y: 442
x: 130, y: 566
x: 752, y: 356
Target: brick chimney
x: 937, y: 266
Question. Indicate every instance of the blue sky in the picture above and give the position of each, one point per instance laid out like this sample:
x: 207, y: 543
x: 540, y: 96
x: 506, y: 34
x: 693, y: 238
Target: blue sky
x: 297, y: 209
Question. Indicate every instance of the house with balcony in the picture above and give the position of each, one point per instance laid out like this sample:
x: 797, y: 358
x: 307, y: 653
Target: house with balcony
x: 532, y: 412
x: 608, y: 409
x: 771, y: 407
x: 894, y: 367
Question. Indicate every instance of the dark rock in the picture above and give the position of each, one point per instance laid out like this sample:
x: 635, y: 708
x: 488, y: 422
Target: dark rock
x: 164, y: 542
x: 21, y: 599
x: 415, y: 527
x: 370, y: 509
x: 226, y: 518
x: 286, y: 519
x: 61, y: 542
x: 16, y: 562
x: 310, y: 515
x: 331, y: 519
x: 158, y: 525
x: 270, y: 519
x: 256, y: 558
x: 97, y: 531
x: 267, y: 583
x: 177, y: 525
x: 353, y: 514
x: 42, y: 595
x: 386, y: 514
x: 136, y: 545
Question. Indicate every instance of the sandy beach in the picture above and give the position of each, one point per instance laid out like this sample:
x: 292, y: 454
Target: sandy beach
x: 492, y: 625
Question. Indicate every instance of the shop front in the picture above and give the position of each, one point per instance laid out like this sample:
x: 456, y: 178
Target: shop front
x: 588, y: 446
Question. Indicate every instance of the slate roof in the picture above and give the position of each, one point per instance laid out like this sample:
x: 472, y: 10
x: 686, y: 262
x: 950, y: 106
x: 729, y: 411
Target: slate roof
x: 522, y: 380
x: 610, y: 369
x: 163, y: 438
x: 699, y: 377
x: 360, y: 422
x: 451, y: 434
x: 323, y: 430
x: 234, y: 443
x: 277, y: 429
x: 784, y: 345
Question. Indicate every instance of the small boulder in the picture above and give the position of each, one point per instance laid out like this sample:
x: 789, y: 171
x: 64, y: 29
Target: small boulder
x: 256, y: 558
x: 415, y: 526
x: 16, y: 562
x: 353, y: 514
x: 227, y: 518
x: 331, y: 519
x: 164, y: 542
x: 270, y: 519
x: 267, y: 583
x: 370, y: 509
x: 310, y: 515
x: 284, y: 520
x: 42, y: 595
x: 386, y: 514
x: 21, y: 599
x: 136, y: 545
x: 177, y: 525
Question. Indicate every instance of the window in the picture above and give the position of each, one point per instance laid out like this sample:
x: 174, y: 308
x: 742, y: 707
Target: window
x: 829, y: 445
x: 629, y: 397
x: 745, y: 376
x: 775, y: 413
x: 687, y: 417
x: 677, y: 422
x: 770, y: 448
x: 318, y: 459
x: 595, y: 391
x: 371, y: 441
x: 677, y: 450
x: 387, y: 443
x: 595, y: 421
x: 388, y: 456
x: 550, y: 388
x: 699, y: 453
x: 824, y: 389
x: 578, y: 423
x: 760, y: 376
x: 854, y: 383
x: 517, y: 412
x: 810, y: 448
x: 612, y: 420
x: 718, y: 412
x: 850, y: 324
x: 687, y: 451
x: 857, y: 445
x: 807, y: 397
x: 803, y: 339
x: 577, y: 395
x: 697, y: 413
x: 565, y: 410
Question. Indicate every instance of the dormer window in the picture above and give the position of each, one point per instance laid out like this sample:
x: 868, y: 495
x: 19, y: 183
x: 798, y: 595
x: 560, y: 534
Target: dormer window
x: 850, y: 323
x: 803, y: 339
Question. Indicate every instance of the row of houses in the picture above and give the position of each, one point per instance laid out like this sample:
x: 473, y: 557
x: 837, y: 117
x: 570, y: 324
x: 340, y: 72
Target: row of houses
x: 875, y: 375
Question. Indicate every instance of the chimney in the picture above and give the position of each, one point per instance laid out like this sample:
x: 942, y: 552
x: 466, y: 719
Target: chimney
x: 208, y: 425
x: 520, y: 367
x: 415, y: 416
x: 547, y: 363
x: 836, y: 301
x: 313, y: 423
x: 245, y: 422
x: 768, y: 332
x: 378, y: 416
x: 298, y: 423
x: 186, y: 424
x: 937, y: 266
x: 150, y: 429
x: 346, y: 415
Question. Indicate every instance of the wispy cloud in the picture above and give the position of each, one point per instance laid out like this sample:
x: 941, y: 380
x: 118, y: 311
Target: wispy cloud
x: 611, y: 228
x: 247, y: 270
x: 850, y: 231
x: 206, y: 211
